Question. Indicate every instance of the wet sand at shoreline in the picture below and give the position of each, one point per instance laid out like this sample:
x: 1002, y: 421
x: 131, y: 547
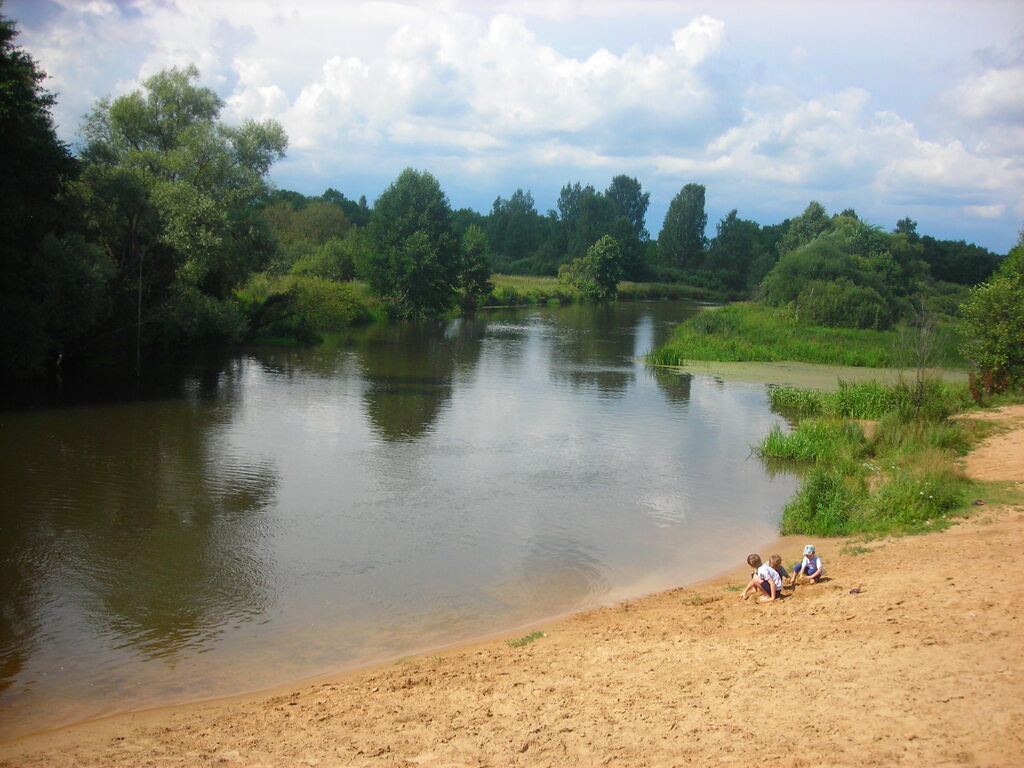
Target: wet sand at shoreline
x: 921, y: 665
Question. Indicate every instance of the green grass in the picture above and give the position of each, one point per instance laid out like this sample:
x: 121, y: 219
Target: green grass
x: 855, y: 549
x: 816, y: 440
x: 519, y: 290
x: 516, y: 290
x: 747, y: 332
x: 519, y: 642
x: 932, y: 400
x: 904, y: 479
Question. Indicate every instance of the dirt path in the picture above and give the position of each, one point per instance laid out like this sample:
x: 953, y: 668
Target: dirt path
x: 922, y: 666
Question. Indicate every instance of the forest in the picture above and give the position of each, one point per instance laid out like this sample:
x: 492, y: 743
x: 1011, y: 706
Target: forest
x: 162, y: 231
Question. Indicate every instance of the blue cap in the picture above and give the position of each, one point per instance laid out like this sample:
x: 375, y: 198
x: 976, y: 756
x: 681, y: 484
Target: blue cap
x: 809, y: 549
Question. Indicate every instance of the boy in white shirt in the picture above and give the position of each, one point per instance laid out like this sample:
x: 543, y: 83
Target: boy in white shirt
x: 765, y: 581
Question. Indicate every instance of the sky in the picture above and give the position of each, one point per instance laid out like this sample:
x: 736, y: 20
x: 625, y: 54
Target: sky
x: 895, y: 109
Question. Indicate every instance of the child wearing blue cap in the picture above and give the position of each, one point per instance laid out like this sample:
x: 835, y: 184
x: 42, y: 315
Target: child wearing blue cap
x: 808, y: 568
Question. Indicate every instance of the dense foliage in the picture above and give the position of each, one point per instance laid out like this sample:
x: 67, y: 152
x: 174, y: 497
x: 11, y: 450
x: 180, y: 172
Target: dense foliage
x: 596, y: 274
x: 170, y: 194
x: 415, y: 259
x: 993, y: 325
x: 40, y: 305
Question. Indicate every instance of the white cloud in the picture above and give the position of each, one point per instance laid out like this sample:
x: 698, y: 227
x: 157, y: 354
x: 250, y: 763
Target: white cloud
x: 996, y: 94
x: 985, y: 211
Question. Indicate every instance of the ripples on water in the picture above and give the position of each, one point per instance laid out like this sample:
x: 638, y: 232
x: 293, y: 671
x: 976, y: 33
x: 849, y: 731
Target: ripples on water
x: 291, y: 512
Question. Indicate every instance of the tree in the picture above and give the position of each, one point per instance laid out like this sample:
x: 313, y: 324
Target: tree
x: 907, y: 226
x: 956, y: 261
x: 171, y: 196
x: 804, y: 228
x: 415, y: 262
x: 597, y: 215
x: 596, y: 275
x: 474, y: 269
x: 736, y: 246
x: 35, y: 168
x: 569, y: 204
x: 682, y: 240
x: 630, y: 228
x: 993, y: 324
x: 819, y: 260
x: 355, y: 212
x: 514, y: 226
x: 631, y: 202
x: 300, y: 231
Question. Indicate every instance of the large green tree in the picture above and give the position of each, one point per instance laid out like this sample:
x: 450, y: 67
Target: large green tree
x: 682, y: 240
x: 736, y: 246
x: 415, y: 262
x: 172, y: 194
x: 514, y: 228
x: 52, y: 282
x: 630, y: 228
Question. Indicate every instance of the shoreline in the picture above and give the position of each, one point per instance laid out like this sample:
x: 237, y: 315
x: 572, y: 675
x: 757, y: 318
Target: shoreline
x: 923, y: 664
x: 377, y: 663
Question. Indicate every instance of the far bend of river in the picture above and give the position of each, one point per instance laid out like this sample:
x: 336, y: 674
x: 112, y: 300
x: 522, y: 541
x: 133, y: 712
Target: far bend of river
x: 287, y: 513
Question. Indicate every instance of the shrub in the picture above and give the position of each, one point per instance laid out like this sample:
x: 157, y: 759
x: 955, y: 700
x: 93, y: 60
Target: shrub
x: 824, y: 504
x: 841, y: 304
x: 816, y: 440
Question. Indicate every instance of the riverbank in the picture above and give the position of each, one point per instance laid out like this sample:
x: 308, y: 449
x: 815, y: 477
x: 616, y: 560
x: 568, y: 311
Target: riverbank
x: 922, y: 665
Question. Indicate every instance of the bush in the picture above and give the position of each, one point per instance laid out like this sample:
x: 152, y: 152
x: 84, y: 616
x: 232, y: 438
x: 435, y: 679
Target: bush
x: 841, y: 304
x: 824, y: 504
x: 300, y: 308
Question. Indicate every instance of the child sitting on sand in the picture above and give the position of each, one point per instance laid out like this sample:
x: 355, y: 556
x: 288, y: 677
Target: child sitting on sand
x: 810, y: 567
x: 775, y: 561
x: 765, y: 581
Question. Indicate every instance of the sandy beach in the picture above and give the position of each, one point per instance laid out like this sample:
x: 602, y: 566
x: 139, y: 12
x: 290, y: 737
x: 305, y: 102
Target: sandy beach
x: 911, y: 653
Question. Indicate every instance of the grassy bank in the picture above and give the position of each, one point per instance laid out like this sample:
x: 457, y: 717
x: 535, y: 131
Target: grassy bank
x: 519, y: 290
x: 753, y: 332
x: 898, y: 475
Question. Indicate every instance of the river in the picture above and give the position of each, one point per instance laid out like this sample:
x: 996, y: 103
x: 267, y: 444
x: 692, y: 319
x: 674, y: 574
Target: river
x: 282, y: 513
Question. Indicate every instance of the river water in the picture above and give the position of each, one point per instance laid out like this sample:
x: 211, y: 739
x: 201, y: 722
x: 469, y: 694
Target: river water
x: 284, y: 513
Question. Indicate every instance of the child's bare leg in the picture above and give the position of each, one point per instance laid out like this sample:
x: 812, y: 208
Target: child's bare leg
x: 753, y: 588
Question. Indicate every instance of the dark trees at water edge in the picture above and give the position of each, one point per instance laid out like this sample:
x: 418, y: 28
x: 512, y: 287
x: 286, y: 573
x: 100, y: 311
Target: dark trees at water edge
x: 170, y: 194
x: 47, y: 284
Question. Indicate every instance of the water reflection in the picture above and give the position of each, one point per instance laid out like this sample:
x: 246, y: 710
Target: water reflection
x: 288, y: 511
x: 410, y: 369
x: 130, y: 526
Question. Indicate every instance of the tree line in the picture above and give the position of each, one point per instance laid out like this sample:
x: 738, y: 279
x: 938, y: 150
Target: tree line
x: 163, y: 230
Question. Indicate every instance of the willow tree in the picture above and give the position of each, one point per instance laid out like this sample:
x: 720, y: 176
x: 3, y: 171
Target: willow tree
x: 171, y: 194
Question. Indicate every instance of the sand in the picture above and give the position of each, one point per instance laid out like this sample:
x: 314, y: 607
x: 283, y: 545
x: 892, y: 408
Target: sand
x: 910, y: 654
